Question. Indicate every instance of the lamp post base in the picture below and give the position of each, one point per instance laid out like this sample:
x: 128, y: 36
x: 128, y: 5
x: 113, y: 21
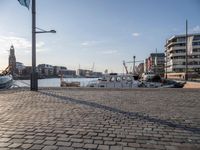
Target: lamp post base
x: 34, y: 81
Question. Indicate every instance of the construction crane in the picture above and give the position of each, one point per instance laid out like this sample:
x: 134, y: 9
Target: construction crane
x: 124, y: 63
x: 132, y: 62
x: 7, y: 71
x: 92, y: 69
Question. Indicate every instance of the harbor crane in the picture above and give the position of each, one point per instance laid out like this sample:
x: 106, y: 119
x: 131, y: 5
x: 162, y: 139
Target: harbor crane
x: 124, y: 63
x: 7, y: 71
x: 133, y: 62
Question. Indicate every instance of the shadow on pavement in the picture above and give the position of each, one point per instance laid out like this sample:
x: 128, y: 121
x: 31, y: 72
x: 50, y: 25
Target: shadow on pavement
x: 126, y: 113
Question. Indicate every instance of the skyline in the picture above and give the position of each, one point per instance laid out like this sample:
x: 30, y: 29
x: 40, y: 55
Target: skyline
x: 103, y: 32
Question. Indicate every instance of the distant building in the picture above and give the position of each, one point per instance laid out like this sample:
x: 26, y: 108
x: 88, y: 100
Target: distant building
x: 146, y: 65
x: 45, y: 70
x: 88, y: 73
x: 83, y: 72
x: 175, y: 51
x: 155, y: 63
x: 12, y: 60
x: 69, y: 73
x: 60, y: 70
x: 26, y: 72
x: 97, y: 74
x: 140, y: 69
x: 19, y: 68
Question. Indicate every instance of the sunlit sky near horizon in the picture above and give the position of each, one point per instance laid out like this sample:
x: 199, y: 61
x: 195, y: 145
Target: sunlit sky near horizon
x: 103, y: 32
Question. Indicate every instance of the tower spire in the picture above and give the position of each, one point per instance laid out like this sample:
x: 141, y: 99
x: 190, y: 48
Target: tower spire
x: 12, y: 59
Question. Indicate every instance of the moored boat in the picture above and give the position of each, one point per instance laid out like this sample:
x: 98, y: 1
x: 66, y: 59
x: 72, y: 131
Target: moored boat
x: 115, y: 80
x: 69, y: 84
x: 6, y: 81
x: 64, y: 83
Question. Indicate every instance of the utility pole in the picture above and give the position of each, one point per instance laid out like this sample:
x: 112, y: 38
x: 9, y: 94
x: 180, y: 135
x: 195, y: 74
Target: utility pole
x: 34, y: 75
x: 186, y: 52
x: 155, y: 63
x: 166, y: 60
x: 133, y: 65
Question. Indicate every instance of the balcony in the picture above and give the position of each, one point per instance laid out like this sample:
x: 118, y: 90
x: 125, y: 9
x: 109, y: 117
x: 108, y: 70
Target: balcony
x: 176, y: 48
x: 176, y: 54
x: 196, y: 46
x: 183, y: 66
x: 173, y: 43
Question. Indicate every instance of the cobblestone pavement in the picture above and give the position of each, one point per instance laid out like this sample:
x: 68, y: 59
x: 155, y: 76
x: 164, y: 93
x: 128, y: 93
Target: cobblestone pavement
x: 65, y: 119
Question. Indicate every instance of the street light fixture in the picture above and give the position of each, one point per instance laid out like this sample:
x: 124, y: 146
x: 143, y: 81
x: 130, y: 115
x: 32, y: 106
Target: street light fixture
x: 39, y: 30
x: 34, y: 74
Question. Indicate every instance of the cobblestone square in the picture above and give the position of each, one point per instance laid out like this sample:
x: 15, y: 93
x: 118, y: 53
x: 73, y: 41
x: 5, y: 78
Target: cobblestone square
x: 107, y: 119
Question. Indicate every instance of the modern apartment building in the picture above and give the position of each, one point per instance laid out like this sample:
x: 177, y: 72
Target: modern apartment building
x: 175, y: 52
x: 45, y: 70
x: 155, y: 63
x: 63, y: 71
x: 88, y: 73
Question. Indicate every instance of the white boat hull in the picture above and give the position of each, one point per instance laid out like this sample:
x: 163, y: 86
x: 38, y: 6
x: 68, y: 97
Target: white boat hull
x: 6, y: 82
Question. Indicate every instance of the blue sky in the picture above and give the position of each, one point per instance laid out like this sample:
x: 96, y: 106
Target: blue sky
x: 103, y: 32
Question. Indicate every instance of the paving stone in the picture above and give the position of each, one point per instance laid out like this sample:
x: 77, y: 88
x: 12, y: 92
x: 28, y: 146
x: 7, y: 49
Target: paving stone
x: 77, y: 145
x: 50, y: 138
x: 77, y: 140
x: 26, y: 146
x: 38, y: 141
x: 4, y: 144
x: 63, y: 143
x: 100, y: 119
x: 90, y: 146
x: 49, y: 142
x: 50, y: 148
x: 37, y: 147
x: 116, y: 148
x: 103, y: 147
x: 17, y: 140
x: 65, y: 148
x: 129, y: 148
x: 30, y: 141
x: 109, y: 142
x: 15, y: 145
x: 5, y: 139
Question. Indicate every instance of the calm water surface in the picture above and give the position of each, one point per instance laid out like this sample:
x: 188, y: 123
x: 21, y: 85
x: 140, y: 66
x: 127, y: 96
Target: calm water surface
x: 53, y: 82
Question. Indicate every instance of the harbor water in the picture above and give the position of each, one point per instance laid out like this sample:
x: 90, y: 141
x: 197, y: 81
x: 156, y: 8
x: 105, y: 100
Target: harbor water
x: 53, y: 82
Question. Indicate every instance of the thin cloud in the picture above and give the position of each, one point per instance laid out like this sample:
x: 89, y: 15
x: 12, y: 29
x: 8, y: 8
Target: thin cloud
x: 135, y: 34
x: 19, y: 43
x: 90, y: 43
x: 196, y: 29
x: 109, y: 52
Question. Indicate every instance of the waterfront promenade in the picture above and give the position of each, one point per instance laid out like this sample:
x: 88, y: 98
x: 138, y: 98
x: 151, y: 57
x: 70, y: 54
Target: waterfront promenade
x: 65, y: 119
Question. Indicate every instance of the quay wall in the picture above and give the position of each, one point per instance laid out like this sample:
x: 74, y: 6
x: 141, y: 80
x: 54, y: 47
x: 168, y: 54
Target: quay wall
x: 192, y: 85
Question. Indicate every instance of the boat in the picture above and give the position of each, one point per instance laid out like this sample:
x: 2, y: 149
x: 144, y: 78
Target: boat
x: 64, y: 83
x: 157, y: 82
x: 114, y: 80
x: 148, y: 75
x: 6, y: 81
x: 70, y: 84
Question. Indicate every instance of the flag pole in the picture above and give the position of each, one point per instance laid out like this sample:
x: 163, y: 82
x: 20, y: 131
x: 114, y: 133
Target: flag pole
x: 34, y: 81
x: 186, y: 52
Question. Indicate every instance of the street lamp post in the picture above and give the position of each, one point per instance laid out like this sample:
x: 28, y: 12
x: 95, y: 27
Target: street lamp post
x: 134, y: 65
x: 34, y: 73
x: 186, y: 52
x: 34, y: 83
